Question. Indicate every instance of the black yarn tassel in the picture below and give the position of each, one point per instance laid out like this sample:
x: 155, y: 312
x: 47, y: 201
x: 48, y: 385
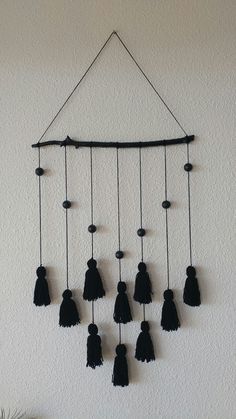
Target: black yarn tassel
x: 93, y: 288
x: 120, y: 371
x: 122, y: 313
x: 94, y: 350
x: 69, y: 315
x: 169, y: 318
x: 143, y: 287
x: 41, y: 293
x: 191, y: 288
x: 144, y: 346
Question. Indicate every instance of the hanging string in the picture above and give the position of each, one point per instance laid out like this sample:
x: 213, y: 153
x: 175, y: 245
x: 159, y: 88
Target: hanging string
x: 91, y: 206
x: 91, y: 194
x: 118, y: 220
x: 40, y: 212
x: 67, y: 245
x: 166, y: 222
x: 141, y: 209
x: 141, y: 198
x: 88, y: 69
x: 189, y: 210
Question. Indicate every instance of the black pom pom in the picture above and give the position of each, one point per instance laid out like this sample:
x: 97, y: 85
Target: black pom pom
x: 69, y: 315
x: 188, y: 167
x: 122, y: 313
x: 39, y: 171
x: 143, y: 288
x: 191, y: 288
x: 41, y: 293
x: 119, y: 254
x: 141, y: 232
x: 66, y: 204
x: 120, y: 370
x: 169, y: 318
x: 94, y: 350
x: 144, y: 346
x: 93, y: 288
x: 166, y: 204
x: 92, y: 228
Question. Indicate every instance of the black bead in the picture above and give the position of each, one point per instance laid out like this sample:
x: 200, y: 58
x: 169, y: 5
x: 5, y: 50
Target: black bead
x: 119, y: 254
x: 39, y: 171
x: 166, y: 204
x: 66, y: 204
x: 141, y: 232
x: 92, y: 228
x: 188, y: 167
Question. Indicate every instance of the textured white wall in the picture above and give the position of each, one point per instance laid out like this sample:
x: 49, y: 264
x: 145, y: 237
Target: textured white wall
x: 187, y: 47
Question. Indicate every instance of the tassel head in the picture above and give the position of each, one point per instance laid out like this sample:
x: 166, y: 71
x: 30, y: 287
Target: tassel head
x: 191, y: 289
x: 41, y: 293
x: 169, y: 318
x: 69, y: 315
x: 120, y: 370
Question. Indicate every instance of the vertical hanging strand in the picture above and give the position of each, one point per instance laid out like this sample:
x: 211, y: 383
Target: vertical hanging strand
x: 143, y: 290
x: 122, y: 313
x: 93, y: 289
x: 68, y: 315
x: 41, y: 292
x: 169, y: 318
x: 191, y: 295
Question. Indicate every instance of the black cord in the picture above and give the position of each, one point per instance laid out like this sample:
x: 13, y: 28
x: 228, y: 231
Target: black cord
x: 90, y: 66
x: 151, y: 84
x: 166, y: 222
x: 141, y: 198
x: 118, y: 218
x: 141, y: 209
x: 189, y: 211
x: 67, y: 258
x: 118, y: 205
x: 40, y: 212
x: 91, y: 194
x: 91, y: 211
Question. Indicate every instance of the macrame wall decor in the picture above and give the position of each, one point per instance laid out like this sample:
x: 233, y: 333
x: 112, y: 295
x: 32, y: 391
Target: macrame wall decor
x: 93, y: 284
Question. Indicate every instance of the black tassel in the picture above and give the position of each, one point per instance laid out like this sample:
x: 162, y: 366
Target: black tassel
x: 122, y: 312
x: 143, y: 288
x: 69, y: 315
x: 41, y: 293
x: 120, y: 371
x: 93, y: 288
x: 191, y: 288
x: 94, y: 350
x: 169, y: 318
x: 144, y: 346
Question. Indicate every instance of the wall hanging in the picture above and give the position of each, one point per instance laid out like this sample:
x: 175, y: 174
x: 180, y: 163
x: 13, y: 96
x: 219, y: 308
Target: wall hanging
x: 93, y: 286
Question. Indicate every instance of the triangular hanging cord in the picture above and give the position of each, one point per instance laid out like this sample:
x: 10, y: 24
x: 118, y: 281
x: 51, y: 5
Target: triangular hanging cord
x: 90, y: 66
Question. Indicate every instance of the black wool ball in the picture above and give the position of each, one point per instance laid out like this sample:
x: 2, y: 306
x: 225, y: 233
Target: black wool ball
x: 39, y: 171
x: 188, y: 167
x: 141, y: 232
x: 145, y: 326
x: 166, y: 204
x: 92, y: 228
x: 66, y: 204
x: 119, y: 254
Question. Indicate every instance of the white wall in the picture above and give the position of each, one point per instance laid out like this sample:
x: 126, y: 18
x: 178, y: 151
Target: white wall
x: 187, y: 47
